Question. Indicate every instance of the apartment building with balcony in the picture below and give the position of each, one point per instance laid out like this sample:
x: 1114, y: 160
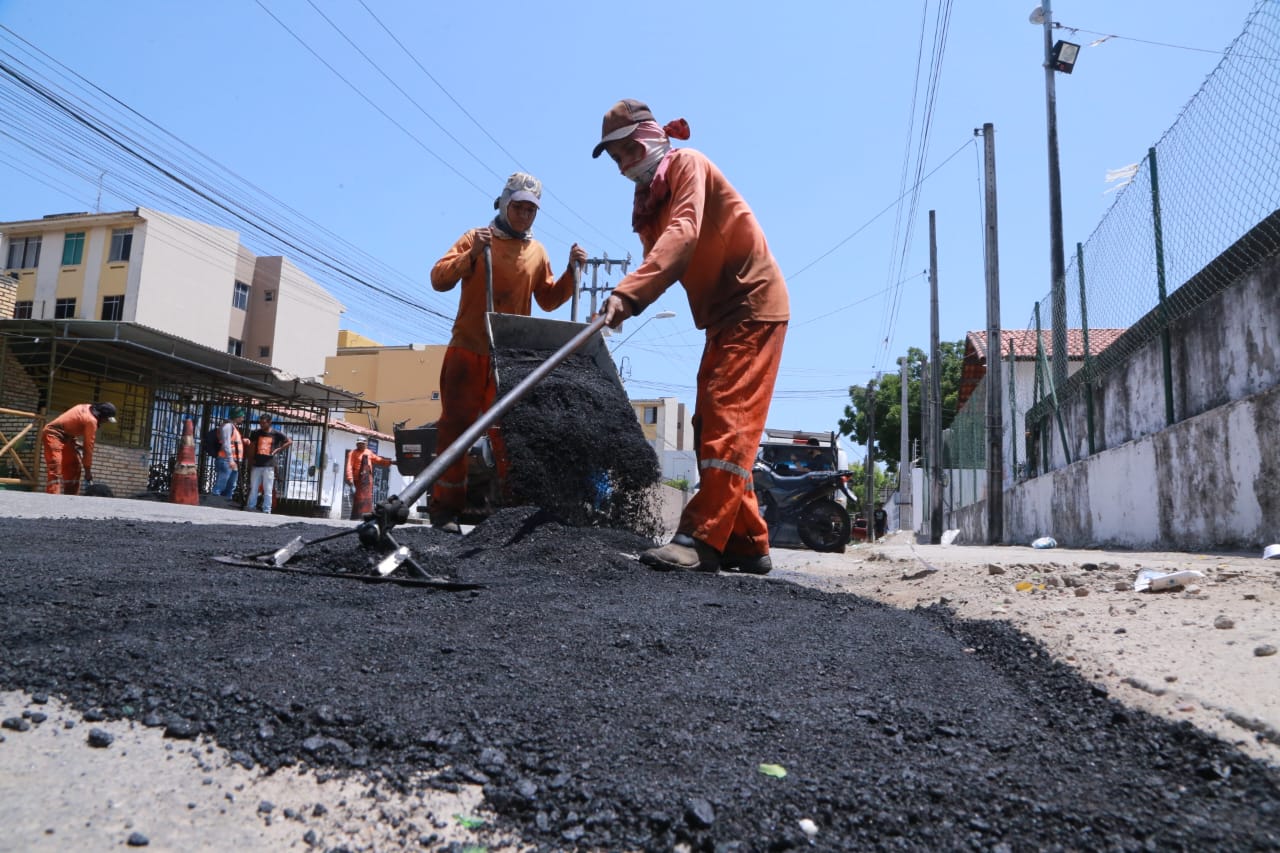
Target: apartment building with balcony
x: 185, y: 278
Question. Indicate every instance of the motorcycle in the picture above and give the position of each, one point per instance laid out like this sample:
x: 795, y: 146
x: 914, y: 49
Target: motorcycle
x: 806, y: 500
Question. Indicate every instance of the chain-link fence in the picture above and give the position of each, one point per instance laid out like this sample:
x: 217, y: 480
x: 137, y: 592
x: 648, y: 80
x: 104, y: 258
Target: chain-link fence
x: 1199, y: 209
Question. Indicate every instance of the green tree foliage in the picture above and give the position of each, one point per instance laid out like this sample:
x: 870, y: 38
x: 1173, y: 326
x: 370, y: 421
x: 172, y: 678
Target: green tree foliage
x: 888, y: 402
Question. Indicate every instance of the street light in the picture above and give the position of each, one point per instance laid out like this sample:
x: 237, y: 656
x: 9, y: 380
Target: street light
x: 1053, y: 57
x: 661, y: 315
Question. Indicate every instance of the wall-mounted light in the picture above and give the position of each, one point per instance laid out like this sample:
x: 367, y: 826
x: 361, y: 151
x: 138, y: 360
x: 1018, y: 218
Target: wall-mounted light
x: 1064, y: 56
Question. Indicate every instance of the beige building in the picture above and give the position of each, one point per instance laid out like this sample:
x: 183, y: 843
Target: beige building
x: 175, y: 275
x: 668, y: 426
x: 403, y: 380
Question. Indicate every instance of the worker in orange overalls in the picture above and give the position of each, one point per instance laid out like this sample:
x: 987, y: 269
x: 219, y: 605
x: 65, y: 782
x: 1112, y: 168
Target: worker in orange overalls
x: 360, y: 464
x: 62, y: 456
x: 521, y: 273
x: 696, y: 229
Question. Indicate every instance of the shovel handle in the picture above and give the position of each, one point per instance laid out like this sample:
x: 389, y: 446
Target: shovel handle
x: 488, y: 278
x: 454, y: 451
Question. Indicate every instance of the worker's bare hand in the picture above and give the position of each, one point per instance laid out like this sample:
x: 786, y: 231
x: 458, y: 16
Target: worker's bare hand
x: 483, y: 237
x: 577, y: 256
x: 616, y: 309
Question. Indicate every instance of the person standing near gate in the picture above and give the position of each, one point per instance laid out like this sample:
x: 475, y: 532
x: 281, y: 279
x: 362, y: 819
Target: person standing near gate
x: 62, y: 456
x: 230, y: 455
x: 265, y: 443
x: 360, y: 464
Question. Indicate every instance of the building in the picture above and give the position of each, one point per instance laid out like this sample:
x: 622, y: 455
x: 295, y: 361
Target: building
x: 175, y: 322
x: 175, y: 275
x: 404, y: 381
x: 668, y: 426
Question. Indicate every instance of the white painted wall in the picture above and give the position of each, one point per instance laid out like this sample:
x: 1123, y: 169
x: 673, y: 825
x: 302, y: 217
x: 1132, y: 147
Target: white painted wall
x: 306, y: 324
x: 181, y: 277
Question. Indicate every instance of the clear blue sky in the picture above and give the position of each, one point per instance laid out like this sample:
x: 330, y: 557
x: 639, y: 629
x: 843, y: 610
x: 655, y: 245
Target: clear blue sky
x: 808, y: 112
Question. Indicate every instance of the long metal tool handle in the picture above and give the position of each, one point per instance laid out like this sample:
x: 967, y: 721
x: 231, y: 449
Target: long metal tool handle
x: 450, y: 454
x: 488, y: 279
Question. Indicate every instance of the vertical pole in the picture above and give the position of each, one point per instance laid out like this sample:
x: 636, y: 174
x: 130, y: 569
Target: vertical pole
x: 995, y: 412
x: 1057, y: 254
x: 935, y: 382
x: 1088, y: 358
x: 904, y: 446
x: 926, y: 448
x: 577, y: 291
x: 595, y: 269
x: 1160, y: 284
x: 869, y: 511
x: 1014, y: 433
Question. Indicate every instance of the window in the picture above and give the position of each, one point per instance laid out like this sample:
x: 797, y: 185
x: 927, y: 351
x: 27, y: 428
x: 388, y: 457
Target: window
x: 241, y: 298
x: 121, y: 244
x: 113, y: 307
x: 268, y: 295
x: 73, y: 249
x: 64, y: 309
x: 435, y: 395
x: 264, y: 352
x: 24, y: 253
x: 235, y: 347
x: 651, y: 414
x: 22, y: 309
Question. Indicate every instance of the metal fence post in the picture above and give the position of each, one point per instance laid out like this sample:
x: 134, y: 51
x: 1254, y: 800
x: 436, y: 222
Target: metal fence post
x: 1160, y: 284
x: 1088, y: 363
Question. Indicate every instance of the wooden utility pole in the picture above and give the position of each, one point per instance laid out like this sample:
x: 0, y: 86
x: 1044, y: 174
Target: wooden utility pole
x: 995, y: 411
x: 935, y: 419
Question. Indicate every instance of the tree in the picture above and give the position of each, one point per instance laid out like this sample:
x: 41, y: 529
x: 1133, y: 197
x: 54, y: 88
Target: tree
x: 888, y: 402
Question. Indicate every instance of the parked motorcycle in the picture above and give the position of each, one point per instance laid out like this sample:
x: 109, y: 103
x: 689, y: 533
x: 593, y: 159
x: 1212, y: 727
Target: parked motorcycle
x: 806, y: 500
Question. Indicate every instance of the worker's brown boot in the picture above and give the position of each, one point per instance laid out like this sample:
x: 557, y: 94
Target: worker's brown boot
x: 682, y: 553
x: 446, y: 522
x: 757, y: 564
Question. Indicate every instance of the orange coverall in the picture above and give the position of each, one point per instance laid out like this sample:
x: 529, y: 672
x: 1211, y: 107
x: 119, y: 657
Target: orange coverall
x: 61, y: 461
x: 706, y: 237
x: 521, y: 273
x: 360, y: 476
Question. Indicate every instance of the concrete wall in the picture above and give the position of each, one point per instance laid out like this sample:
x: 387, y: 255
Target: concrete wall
x: 306, y: 324
x: 403, y: 380
x: 1212, y: 480
x: 181, y: 278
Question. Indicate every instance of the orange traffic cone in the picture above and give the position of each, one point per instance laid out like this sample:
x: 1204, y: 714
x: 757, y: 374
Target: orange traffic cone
x: 184, y: 487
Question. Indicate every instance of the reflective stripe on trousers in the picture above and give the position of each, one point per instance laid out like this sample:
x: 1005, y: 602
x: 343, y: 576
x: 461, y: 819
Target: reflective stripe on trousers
x: 735, y: 385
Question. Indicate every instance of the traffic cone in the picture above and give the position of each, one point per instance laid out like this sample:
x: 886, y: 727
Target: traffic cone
x: 184, y: 488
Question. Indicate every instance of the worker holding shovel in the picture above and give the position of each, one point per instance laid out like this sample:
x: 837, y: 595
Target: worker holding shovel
x: 505, y: 253
x: 696, y: 229
x: 63, y: 458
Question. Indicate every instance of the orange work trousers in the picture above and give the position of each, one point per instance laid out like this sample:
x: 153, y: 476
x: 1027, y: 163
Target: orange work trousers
x: 467, y: 390
x: 61, y: 463
x: 735, y: 384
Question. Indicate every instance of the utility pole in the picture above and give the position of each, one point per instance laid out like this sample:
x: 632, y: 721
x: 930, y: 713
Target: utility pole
x: 904, y: 448
x: 995, y: 410
x: 868, y: 511
x: 1057, y: 253
x: 935, y: 419
x: 926, y: 430
x: 596, y: 287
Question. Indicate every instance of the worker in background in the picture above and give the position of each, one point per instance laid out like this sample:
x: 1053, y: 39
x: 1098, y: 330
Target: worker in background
x: 265, y: 444
x: 360, y: 464
x: 230, y: 455
x: 696, y: 229
x: 521, y: 273
x: 62, y: 456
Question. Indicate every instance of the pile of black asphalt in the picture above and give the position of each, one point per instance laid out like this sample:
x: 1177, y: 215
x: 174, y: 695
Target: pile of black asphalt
x: 606, y: 706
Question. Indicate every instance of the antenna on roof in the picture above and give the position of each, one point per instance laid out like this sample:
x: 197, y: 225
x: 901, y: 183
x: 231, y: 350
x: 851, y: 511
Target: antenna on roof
x: 97, y: 205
